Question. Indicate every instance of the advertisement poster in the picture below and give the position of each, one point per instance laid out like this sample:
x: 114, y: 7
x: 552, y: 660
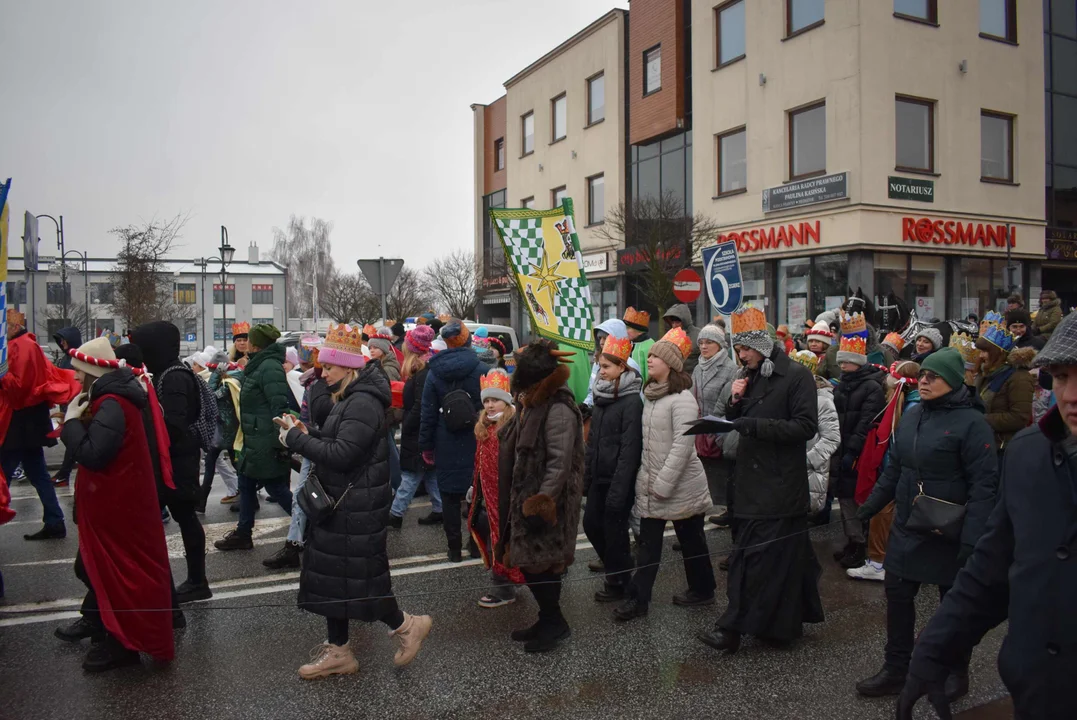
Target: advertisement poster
x: 722, y: 277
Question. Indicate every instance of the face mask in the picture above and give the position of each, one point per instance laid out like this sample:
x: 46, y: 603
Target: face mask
x: 493, y: 417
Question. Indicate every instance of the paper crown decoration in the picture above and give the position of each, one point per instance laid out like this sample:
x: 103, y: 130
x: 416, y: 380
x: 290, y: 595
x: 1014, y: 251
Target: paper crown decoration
x: 114, y: 339
x: 14, y: 317
x: 240, y: 329
x: 618, y: 347
x: 638, y: 318
x: 854, y: 324
x: 749, y: 319
x: 999, y: 337
x: 854, y: 344
x: 964, y: 344
x: 895, y: 341
x: 344, y: 338
x: 368, y: 330
x: 991, y: 319
x: 806, y: 358
x: 494, y: 381
x: 680, y: 338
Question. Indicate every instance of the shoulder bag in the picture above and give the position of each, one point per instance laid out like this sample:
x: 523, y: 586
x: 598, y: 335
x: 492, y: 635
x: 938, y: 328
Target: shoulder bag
x: 317, y: 504
x: 931, y: 515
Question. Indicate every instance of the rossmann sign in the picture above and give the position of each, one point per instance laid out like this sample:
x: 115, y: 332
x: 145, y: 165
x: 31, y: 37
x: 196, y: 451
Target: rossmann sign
x: 954, y: 232
x: 774, y: 237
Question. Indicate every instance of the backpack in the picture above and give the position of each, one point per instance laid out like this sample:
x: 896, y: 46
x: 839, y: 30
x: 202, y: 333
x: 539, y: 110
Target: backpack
x: 204, y: 428
x: 458, y: 410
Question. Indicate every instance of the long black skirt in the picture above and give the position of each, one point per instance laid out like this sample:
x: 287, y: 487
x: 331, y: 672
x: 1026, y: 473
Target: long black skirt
x: 773, y: 584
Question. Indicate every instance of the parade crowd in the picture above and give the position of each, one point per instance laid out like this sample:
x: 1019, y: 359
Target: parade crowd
x: 953, y: 461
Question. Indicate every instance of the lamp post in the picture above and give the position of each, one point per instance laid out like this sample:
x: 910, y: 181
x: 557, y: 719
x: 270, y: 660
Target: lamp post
x: 85, y: 281
x: 201, y: 264
x: 60, y: 246
x: 225, y: 259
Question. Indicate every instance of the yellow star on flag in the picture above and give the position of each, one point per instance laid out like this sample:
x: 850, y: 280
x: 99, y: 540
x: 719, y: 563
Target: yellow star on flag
x: 547, y: 276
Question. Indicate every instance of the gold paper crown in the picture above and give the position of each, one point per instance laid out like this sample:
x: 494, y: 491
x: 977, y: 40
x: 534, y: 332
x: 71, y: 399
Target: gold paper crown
x: 369, y: 331
x: 853, y: 324
x: 240, y: 328
x: 494, y: 380
x: 345, y: 338
x: 853, y: 344
x: 749, y: 319
x: 637, y: 317
x: 895, y: 341
x: 965, y: 345
x: 618, y: 347
x: 806, y: 358
x: 680, y: 338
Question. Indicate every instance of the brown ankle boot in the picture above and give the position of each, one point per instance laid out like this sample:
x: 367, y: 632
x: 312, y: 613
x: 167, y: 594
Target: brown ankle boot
x: 328, y: 659
x: 410, y: 636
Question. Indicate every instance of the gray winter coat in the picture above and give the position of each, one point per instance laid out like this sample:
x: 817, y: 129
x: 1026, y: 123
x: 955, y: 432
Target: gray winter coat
x: 682, y: 313
x: 709, y: 381
x: 822, y: 447
x: 671, y: 483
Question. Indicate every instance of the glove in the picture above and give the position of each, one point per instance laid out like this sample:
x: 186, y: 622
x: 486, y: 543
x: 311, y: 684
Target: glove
x: 916, y: 688
x: 470, y: 495
x: 284, y: 436
x: 428, y: 457
x: 77, y: 407
x: 847, y: 462
x: 585, y: 410
x: 744, y: 426
x: 863, y: 515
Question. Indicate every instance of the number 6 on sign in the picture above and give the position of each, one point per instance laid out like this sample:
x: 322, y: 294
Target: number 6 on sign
x: 721, y: 265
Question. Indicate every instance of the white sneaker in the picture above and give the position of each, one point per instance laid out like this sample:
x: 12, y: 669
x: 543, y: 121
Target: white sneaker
x: 867, y: 571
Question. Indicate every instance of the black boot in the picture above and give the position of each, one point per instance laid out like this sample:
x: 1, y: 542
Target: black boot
x: 856, y: 556
x: 432, y: 519
x: 722, y: 640
x: 841, y: 554
x: 721, y: 521
x: 286, y: 557
x: 630, y: 610
x: 234, y: 540
x: 395, y: 522
x: 957, y: 686
x: 887, y: 681
x: 179, y: 620
x: 610, y: 593
x: 455, y: 555
x: 691, y: 598
x: 108, y: 655
x: 192, y: 591
x: 79, y: 631
x: 49, y: 532
x: 549, y: 635
x: 473, y: 550
x: 526, y: 634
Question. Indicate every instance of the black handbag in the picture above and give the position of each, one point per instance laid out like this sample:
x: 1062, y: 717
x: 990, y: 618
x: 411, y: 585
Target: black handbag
x: 317, y: 504
x: 930, y: 515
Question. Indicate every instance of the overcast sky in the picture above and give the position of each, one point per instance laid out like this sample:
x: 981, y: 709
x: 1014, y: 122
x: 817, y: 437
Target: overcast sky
x: 243, y: 112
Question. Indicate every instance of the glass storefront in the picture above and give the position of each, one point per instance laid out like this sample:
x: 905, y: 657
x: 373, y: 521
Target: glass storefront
x: 604, y: 299
x: 829, y: 282
x: 754, y: 284
x: 928, y: 281
x: 793, y: 291
x: 808, y: 286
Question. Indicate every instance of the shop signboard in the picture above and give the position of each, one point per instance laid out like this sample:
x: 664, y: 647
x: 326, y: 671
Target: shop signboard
x: 1061, y: 244
x: 721, y: 270
x: 774, y: 237
x: 927, y: 230
x: 635, y: 259
x: 596, y: 262
x: 899, y: 188
x: 806, y: 192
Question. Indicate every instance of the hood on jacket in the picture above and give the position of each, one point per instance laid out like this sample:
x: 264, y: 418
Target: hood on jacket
x: 372, y: 381
x: 1020, y: 358
x: 454, y: 364
x: 959, y: 398
x: 682, y: 313
x: 160, y: 344
x: 121, y: 382
x: 72, y: 335
x: 614, y: 327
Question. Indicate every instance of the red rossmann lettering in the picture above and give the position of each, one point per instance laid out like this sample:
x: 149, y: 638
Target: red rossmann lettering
x: 773, y: 237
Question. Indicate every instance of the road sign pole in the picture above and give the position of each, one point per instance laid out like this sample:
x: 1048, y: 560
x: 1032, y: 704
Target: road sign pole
x: 381, y: 284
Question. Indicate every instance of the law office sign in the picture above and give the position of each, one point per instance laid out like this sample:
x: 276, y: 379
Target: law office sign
x: 899, y: 188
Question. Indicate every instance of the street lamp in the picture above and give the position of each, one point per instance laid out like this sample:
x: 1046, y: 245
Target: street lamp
x: 85, y: 280
x: 225, y: 259
x: 60, y: 246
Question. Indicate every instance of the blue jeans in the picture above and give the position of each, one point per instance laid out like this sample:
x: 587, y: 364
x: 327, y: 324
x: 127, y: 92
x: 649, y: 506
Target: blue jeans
x: 277, y: 489
x: 298, y: 529
x: 409, y: 483
x: 33, y: 464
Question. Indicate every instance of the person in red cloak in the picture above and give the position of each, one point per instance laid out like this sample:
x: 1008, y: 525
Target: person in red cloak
x: 122, y: 557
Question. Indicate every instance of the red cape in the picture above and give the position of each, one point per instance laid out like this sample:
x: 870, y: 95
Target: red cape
x: 122, y: 542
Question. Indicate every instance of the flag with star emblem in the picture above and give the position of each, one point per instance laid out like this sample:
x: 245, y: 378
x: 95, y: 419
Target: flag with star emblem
x: 543, y: 252
x: 4, y: 212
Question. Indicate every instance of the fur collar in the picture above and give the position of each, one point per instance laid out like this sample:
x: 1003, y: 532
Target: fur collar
x: 541, y: 393
x: 1021, y: 358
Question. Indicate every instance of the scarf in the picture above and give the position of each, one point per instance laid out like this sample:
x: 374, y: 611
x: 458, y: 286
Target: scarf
x: 656, y: 391
x: 630, y: 383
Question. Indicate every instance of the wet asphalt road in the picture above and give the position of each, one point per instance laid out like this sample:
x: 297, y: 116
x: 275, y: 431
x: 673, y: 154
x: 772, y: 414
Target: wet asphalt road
x: 238, y: 656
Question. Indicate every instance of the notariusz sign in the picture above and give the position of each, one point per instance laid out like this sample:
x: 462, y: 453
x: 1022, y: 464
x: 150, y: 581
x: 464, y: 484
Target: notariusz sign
x: 899, y: 188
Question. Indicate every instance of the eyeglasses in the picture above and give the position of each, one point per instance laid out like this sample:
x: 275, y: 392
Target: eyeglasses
x: 928, y: 376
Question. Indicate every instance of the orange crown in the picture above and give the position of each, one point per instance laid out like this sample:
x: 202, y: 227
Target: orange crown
x: 240, y: 328
x: 680, y: 338
x: 637, y: 317
x: 895, y: 341
x: 749, y: 319
x: 369, y: 331
x: 853, y: 324
x: 15, y: 318
x: 618, y: 347
x: 345, y: 338
x: 853, y: 344
x: 494, y: 381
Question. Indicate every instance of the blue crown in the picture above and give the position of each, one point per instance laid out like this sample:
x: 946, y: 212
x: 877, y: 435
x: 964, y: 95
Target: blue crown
x: 999, y: 337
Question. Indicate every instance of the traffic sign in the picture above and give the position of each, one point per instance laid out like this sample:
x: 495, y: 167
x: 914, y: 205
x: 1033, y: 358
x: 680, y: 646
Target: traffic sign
x: 687, y: 285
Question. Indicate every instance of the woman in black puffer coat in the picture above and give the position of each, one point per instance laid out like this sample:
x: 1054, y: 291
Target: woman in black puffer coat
x: 346, y: 566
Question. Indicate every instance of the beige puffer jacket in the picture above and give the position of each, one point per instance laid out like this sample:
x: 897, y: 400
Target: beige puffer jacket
x: 671, y: 483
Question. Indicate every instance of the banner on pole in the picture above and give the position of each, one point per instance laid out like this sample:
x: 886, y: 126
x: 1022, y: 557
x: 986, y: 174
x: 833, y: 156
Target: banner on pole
x: 543, y: 252
x: 4, y: 216
x: 721, y: 271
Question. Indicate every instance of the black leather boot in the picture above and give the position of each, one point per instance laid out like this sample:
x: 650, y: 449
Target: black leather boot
x: 887, y: 681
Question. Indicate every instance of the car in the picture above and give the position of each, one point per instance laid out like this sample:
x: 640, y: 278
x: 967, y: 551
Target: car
x: 504, y: 333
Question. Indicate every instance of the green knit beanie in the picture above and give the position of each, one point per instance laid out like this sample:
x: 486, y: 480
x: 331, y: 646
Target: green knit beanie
x: 262, y: 336
x: 947, y: 364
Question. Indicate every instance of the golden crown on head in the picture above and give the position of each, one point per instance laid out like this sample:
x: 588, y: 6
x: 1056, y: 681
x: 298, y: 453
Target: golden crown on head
x: 853, y: 344
x: 680, y: 338
x: 344, y: 337
x: 618, y: 347
x: 895, y: 341
x: 15, y: 318
x: 240, y: 328
x: 853, y: 324
x: 637, y: 317
x: 749, y: 319
x: 964, y: 344
x: 495, y: 381
x: 806, y: 358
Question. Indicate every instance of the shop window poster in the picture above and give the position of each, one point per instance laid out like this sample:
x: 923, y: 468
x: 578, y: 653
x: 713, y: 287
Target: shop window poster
x: 925, y: 307
x: 798, y: 310
x: 833, y: 302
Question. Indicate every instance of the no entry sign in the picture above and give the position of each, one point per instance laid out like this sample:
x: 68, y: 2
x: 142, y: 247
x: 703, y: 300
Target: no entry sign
x: 687, y: 285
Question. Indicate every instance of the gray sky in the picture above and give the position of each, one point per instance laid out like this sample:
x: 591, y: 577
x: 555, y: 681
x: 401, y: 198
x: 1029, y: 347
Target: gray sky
x: 244, y: 112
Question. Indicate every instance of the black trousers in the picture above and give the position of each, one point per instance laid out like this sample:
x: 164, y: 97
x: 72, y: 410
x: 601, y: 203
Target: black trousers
x: 90, y: 610
x: 211, y: 469
x: 607, y: 530
x: 182, y: 509
x: 901, y: 620
x: 697, y: 561
x: 451, y: 504
x: 546, y: 587
x: 338, y: 627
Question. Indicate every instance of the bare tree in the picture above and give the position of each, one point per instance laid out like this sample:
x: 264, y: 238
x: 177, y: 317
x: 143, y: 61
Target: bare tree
x: 349, y: 299
x: 77, y: 316
x: 143, y: 289
x: 452, y: 280
x: 664, y: 238
x: 410, y: 295
x: 305, y: 249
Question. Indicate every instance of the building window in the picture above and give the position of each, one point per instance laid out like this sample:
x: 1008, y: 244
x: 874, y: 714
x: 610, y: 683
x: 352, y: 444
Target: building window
x: 190, y: 329
x: 100, y: 325
x: 58, y: 293
x: 604, y: 299
x: 499, y: 154
x: 829, y: 282
x: 185, y: 294
x: 807, y: 141
x: 652, y: 70
x: 801, y: 15
x: 998, y: 20
x: 559, y: 111
x: 996, y: 146
x: 793, y: 278
x: 915, y: 124
x: 733, y: 162
x: 261, y: 294
x: 16, y: 292
x: 528, y: 123
x: 596, y: 199
x: 663, y: 170
x: 596, y: 99
x: 926, y: 10
x: 55, y: 325
x: 493, y: 257
x: 101, y: 293
x: 754, y: 285
x: 528, y: 203
x: 227, y: 297
x: 557, y: 195
x: 222, y: 328
x: 262, y: 321
x: 729, y: 32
